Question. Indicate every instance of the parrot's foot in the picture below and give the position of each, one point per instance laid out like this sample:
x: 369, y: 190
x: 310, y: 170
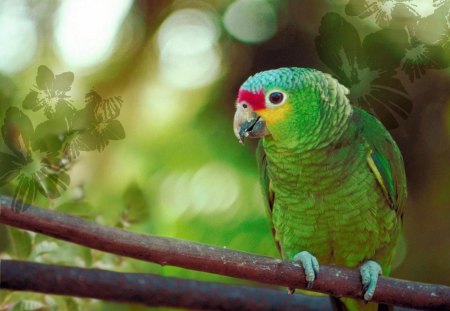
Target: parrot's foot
x: 310, y: 265
x: 370, y: 271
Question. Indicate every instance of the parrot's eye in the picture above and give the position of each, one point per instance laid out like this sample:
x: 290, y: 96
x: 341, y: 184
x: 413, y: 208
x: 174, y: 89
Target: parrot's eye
x: 276, y: 98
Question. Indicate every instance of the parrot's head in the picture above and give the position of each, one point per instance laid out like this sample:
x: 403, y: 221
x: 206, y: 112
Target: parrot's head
x: 286, y: 102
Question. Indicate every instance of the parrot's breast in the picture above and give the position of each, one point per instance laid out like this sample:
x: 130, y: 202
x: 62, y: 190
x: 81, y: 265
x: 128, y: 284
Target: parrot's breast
x: 327, y: 202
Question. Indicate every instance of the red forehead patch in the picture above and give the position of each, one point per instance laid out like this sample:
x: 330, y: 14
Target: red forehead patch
x: 255, y: 100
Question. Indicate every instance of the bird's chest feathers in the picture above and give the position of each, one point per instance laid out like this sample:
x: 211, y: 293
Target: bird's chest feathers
x: 313, y: 173
x: 319, y: 195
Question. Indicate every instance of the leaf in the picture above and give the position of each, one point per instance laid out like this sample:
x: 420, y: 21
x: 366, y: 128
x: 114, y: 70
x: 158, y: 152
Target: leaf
x: 4, y: 241
x: 49, y: 135
x: 52, y: 184
x: 17, y: 131
x: 390, y: 45
x: 64, y: 109
x: 9, y: 167
x: 45, y: 78
x: 78, y: 208
x: 72, y: 304
x: 92, y: 99
x: 369, y: 76
x: 108, y: 109
x: 338, y: 46
x: 359, y: 8
x: 24, y: 194
x: 31, y: 100
x: 136, y: 207
x: 420, y: 57
x: 384, y: 96
x: 92, y: 140
x: 29, y: 305
x: 20, y: 243
x: 83, y: 119
x: 63, y: 81
x: 72, y: 146
x: 385, y: 12
x: 43, y: 247
x: 114, y: 130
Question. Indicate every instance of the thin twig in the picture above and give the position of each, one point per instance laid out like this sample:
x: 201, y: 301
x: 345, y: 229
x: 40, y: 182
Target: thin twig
x: 332, y: 280
x: 149, y: 289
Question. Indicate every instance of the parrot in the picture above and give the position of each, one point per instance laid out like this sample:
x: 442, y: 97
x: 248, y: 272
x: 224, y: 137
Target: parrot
x: 332, y: 176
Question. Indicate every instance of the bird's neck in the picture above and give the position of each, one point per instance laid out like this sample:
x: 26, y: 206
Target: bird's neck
x: 328, y: 131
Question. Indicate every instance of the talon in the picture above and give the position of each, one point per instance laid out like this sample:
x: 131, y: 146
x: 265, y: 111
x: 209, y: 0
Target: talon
x: 370, y: 271
x: 310, y: 266
x: 365, y: 287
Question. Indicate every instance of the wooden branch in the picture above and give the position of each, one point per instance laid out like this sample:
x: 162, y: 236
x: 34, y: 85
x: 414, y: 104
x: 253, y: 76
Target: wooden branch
x: 332, y: 280
x: 149, y: 289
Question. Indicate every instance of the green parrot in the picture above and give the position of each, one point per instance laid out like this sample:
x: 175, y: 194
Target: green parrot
x: 332, y: 176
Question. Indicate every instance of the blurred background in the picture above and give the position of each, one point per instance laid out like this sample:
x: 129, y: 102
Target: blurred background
x: 170, y: 164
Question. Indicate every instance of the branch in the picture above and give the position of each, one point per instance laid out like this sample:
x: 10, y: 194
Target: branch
x: 332, y: 280
x: 149, y: 289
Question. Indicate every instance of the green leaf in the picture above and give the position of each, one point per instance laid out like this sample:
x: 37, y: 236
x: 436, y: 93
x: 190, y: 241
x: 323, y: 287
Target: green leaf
x: 92, y: 99
x: 25, y: 193
x: 45, y: 78
x: 114, y: 130
x: 64, y: 81
x: 31, y: 100
x: 77, y: 208
x: 53, y: 184
x: 17, y: 131
x: 4, y: 241
x: 29, y: 305
x: 20, y: 243
x: 9, y: 166
x: 72, y: 304
x: 49, y: 135
x: 108, y: 109
x: 136, y: 207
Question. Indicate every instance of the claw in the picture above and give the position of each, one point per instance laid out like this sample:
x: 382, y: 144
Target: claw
x: 310, y: 265
x: 370, y: 271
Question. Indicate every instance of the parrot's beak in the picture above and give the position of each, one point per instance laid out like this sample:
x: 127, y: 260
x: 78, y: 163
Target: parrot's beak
x: 247, y: 123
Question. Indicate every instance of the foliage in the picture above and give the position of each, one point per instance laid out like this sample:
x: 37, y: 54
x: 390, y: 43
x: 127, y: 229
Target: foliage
x: 38, y: 158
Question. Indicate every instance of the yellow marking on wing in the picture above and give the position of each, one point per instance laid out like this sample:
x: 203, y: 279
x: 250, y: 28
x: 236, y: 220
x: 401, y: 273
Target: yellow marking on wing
x: 274, y: 115
x: 377, y: 174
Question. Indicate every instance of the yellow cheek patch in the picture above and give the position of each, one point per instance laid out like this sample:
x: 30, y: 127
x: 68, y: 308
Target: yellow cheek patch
x: 273, y: 115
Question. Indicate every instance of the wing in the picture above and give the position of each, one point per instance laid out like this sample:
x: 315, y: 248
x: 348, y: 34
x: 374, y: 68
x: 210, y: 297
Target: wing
x: 384, y: 159
x: 269, y: 195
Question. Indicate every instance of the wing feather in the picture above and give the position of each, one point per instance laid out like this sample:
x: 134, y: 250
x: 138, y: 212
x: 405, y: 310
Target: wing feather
x: 384, y: 159
x: 269, y: 195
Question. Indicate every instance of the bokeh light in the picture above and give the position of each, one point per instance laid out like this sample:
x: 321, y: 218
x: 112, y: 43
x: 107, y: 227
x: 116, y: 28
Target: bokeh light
x: 18, y: 36
x: 211, y: 189
x: 187, y: 42
x: 86, y: 31
x: 251, y: 21
x: 214, y: 187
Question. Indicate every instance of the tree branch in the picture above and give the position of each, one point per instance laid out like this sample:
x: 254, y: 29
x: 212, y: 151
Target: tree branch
x: 149, y: 289
x: 332, y: 280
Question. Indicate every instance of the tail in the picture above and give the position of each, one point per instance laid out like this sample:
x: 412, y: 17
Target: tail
x: 348, y: 304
